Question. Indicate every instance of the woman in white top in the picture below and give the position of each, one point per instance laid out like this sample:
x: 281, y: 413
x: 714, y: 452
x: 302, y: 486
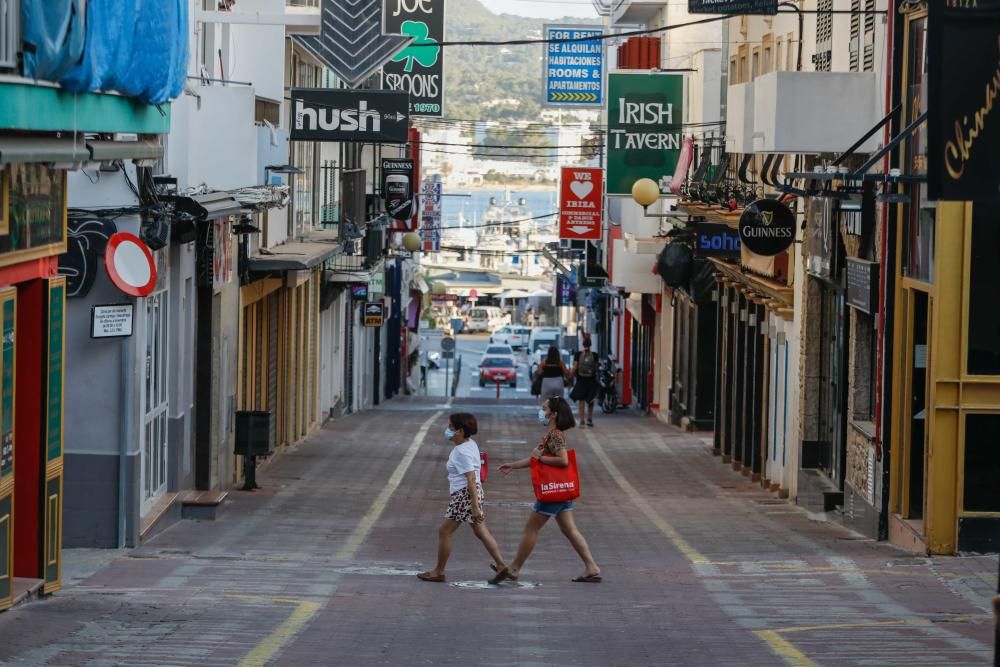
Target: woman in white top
x: 465, y: 507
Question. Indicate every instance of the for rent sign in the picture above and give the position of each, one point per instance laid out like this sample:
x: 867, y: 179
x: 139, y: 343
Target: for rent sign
x: 574, y: 68
x: 644, y: 128
x: 580, y: 198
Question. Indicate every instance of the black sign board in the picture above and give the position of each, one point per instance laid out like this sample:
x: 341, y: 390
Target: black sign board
x: 368, y: 116
x: 565, y: 290
x: 359, y: 291
x: 713, y: 239
x: 397, y: 187
x: 963, y: 135
x: 419, y: 68
x: 765, y: 7
x: 767, y: 227
x: 862, y: 285
x: 374, y: 313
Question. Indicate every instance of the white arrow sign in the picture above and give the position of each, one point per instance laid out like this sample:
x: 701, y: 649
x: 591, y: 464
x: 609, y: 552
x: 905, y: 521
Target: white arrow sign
x: 351, y: 42
x: 579, y: 229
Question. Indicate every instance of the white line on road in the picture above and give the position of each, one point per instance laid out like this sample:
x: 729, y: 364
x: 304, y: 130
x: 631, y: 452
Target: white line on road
x: 360, y: 533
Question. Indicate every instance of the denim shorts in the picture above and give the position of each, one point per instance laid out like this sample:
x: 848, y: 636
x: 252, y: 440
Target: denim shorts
x: 551, y: 509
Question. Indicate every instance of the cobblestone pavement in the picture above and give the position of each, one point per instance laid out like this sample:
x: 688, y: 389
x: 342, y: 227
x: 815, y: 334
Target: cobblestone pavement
x: 700, y: 568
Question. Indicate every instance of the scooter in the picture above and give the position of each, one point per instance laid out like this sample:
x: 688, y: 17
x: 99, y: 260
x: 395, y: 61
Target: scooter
x: 433, y: 360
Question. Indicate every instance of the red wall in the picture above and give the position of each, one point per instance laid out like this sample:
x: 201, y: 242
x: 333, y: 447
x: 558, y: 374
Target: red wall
x: 28, y: 464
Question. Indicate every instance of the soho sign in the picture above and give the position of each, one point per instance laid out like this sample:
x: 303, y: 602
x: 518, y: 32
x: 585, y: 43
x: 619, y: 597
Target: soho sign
x: 767, y: 227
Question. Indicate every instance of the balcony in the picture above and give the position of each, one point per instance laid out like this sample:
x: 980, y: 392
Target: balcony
x: 631, y: 12
x: 811, y: 112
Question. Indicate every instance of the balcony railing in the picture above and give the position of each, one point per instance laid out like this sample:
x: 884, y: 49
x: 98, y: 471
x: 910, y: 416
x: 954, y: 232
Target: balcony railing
x: 10, y: 33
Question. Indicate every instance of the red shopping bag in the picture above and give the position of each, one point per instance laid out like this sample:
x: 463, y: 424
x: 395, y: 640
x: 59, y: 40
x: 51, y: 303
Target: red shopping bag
x: 554, y: 484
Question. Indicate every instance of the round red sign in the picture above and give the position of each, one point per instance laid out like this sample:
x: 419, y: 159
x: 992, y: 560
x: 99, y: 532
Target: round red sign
x: 130, y: 264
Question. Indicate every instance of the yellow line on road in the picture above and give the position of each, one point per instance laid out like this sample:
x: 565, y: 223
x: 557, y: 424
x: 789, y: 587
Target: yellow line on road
x: 783, y: 648
x: 640, y: 501
x: 268, y: 647
x: 360, y: 533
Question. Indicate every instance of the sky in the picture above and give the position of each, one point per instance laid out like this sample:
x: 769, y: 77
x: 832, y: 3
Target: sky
x: 547, y: 9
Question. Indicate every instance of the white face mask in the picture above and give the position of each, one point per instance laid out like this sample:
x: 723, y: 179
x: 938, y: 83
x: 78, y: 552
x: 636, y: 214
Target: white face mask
x: 543, y: 417
x: 449, y: 433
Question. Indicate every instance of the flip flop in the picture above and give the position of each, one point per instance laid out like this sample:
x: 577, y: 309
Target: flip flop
x: 588, y: 579
x: 427, y: 576
x: 493, y: 566
x: 502, y: 575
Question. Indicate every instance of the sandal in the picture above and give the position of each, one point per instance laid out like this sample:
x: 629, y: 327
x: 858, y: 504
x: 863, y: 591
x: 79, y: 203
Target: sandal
x: 427, y: 576
x: 493, y: 566
x: 502, y: 575
x: 588, y: 579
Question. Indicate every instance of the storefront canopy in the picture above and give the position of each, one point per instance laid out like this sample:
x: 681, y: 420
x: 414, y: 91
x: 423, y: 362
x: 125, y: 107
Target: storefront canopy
x: 311, y: 251
x: 50, y: 151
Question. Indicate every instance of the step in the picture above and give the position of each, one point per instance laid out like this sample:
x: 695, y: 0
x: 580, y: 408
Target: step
x: 159, y: 516
x: 26, y: 589
x: 203, y: 505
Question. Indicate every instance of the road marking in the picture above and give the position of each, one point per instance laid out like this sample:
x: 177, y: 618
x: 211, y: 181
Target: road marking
x: 637, y: 498
x: 784, y: 649
x: 269, y: 646
x: 367, y: 522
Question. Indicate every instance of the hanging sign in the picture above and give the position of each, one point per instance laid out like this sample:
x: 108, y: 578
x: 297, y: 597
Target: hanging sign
x: 565, y: 290
x: 111, y: 321
x: 574, y: 70
x: 397, y: 187
x: 359, y: 291
x: 580, y: 197
x: 963, y: 133
x: 767, y: 227
x: 374, y: 314
x: 369, y: 116
x: 713, y: 239
x: 130, y: 264
x: 418, y: 69
x: 741, y: 7
x: 430, y: 213
x: 862, y: 285
x: 644, y: 128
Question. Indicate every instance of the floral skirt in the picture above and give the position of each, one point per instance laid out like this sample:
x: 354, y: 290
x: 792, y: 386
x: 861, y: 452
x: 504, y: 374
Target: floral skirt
x: 460, y: 508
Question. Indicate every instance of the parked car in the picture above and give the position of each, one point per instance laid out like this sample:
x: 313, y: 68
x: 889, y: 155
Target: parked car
x: 544, y: 337
x: 493, y: 369
x: 498, y: 350
x: 484, y: 318
x: 516, y: 337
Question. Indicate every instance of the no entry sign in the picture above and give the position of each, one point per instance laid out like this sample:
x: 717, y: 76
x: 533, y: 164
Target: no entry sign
x: 580, y: 198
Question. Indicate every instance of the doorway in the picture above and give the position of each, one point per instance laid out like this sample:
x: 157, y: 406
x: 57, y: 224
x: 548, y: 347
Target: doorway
x: 833, y: 380
x: 915, y: 459
x: 155, y: 402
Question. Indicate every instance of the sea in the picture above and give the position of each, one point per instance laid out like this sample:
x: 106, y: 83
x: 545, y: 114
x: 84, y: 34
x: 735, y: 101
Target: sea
x: 471, y: 204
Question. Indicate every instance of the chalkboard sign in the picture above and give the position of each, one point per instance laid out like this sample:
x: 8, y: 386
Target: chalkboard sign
x: 862, y: 285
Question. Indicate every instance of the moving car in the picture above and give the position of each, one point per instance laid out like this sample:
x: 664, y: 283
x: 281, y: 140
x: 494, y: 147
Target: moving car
x: 484, y: 318
x: 493, y: 369
x: 497, y: 350
x: 516, y: 337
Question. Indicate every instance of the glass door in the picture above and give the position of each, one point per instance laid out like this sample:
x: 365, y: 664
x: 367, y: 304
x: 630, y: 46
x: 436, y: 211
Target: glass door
x: 915, y: 455
x: 154, y: 423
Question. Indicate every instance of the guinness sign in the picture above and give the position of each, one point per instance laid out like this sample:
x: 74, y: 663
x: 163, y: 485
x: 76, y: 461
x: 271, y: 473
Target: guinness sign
x: 397, y: 187
x: 767, y: 227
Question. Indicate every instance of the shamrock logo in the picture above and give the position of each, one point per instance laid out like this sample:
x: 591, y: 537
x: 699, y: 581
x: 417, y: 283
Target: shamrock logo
x: 423, y: 49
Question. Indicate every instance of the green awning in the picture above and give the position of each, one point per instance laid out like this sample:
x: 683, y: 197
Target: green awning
x: 47, y: 150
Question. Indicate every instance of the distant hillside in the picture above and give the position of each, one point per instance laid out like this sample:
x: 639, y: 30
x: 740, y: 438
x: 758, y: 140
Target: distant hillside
x: 475, y: 76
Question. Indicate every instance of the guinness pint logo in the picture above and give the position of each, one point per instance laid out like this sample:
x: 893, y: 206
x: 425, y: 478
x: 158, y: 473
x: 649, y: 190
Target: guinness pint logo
x: 767, y: 227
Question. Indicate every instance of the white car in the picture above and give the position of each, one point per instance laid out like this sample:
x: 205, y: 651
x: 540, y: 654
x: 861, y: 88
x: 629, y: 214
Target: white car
x: 544, y: 337
x: 516, y: 337
x: 484, y: 318
x: 499, y: 350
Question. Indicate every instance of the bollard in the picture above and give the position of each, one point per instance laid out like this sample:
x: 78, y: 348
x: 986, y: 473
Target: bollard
x: 498, y: 389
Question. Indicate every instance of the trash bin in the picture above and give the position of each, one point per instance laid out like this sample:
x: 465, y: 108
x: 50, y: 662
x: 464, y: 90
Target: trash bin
x: 457, y: 325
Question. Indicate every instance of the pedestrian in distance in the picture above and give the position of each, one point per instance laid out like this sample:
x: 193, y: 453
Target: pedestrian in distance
x: 555, y: 376
x: 585, y: 382
x: 466, y: 506
x: 557, y: 416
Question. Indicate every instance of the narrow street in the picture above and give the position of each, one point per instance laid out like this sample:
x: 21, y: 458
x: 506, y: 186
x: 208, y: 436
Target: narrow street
x: 700, y: 566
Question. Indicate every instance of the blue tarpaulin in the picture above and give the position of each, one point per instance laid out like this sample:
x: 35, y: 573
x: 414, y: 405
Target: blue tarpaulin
x: 138, y: 48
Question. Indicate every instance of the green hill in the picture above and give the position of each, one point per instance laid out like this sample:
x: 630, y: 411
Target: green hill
x: 493, y: 82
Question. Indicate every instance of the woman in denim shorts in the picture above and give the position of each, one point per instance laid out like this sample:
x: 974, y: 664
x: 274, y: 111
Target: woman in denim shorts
x: 558, y: 417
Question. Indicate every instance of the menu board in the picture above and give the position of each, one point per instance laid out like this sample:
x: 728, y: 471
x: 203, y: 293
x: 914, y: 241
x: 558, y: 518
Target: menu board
x: 862, y: 284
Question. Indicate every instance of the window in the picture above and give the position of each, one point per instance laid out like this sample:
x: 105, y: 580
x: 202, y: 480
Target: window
x: 982, y: 464
x: 755, y: 63
x: 864, y: 354
x: 918, y: 215
x: 267, y: 110
x: 767, y: 49
x: 734, y: 75
x: 984, y: 298
x: 304, y: 156
x: 792, y: 53
x: 779, y: 55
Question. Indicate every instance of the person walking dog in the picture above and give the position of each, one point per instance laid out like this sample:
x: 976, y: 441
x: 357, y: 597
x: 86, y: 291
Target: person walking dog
x: 557, y: 416
x: 466, y: 506
x: 585, y: 383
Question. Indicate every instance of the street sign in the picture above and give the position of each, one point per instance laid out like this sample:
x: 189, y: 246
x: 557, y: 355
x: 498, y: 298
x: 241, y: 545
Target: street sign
x: 397, y: 187
x: 580, y: 197
x: 374, y: 313
x: 130, y: 264
x: 351, y: 42
x: 447, y: 344
x: 419, y: 68
x: 368, y: 116
x: 644, y: 128
x: 764, y: 7
x: 574, y: 70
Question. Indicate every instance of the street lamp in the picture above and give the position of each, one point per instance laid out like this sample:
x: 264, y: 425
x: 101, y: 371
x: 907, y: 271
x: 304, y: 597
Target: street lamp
x: 411, y: 242
x: 645, y: 193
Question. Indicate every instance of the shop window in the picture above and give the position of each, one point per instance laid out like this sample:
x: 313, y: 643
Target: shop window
x: 919, y: 214
x: 982, y: 463
x: 984, y: 298
x: 34, y: 216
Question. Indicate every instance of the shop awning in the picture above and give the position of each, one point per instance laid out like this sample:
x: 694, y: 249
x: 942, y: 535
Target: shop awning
x: 108, y: 151
x: 209, y: 206
x: 314, y: 248
x: 47, y: 150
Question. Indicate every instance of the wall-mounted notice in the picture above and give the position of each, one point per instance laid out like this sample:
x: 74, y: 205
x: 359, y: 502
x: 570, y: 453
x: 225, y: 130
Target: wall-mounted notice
x: 111, y: 321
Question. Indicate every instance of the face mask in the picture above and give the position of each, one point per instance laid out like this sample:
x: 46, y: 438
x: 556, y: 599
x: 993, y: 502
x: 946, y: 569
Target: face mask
x: 449, y: 433
x: 543, y: 417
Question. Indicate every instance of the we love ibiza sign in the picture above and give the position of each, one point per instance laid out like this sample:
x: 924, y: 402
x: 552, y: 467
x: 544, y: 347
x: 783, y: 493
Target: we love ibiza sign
x: 580, y: 203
